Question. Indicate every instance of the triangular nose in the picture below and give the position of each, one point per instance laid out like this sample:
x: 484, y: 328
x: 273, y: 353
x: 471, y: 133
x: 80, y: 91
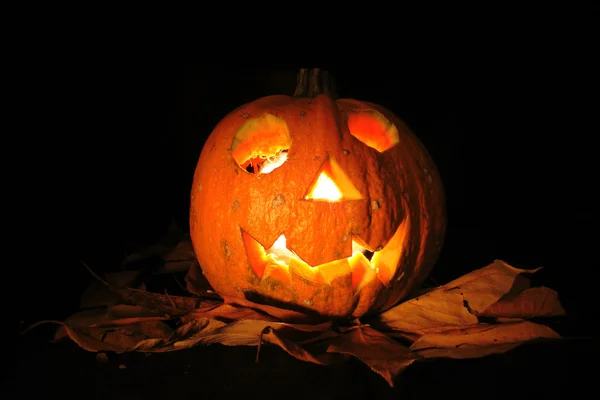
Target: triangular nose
x: 332, y: 184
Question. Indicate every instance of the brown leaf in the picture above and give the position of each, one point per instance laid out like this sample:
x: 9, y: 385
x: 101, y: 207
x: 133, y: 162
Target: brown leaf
x: 87, y: 318
x: 196, y: 282
x: 279, y: 313
x: 119, y: 311
x: 101, y: 317
x: 182, y: 338
x: 180, y: 258
x: 435, y: 310
x: 126, y: 321
x: 382, y: 354
x: 239, y: 333
x: 198, y: 326
x: 483, y: 287
x: 117, y: 340
x: 123, y: 279
x: 458, y: 302
x: 441, y: 323
x: 533, y: 302
x: 294, y: 349
x: 228, y: 312
x: 99, y: 294
x: 480, y: 340
x: 164, y: 304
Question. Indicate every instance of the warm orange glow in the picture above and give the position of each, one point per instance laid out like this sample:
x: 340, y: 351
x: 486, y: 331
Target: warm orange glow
x: 280, y: 263
x: 261, y: 144
x: 324, y: 189
x: 363, y: 271
x: 280, y: 252
x: 373, y: 129
x: 273, y: 162
x: 357, y: 248
x: 332, y: 184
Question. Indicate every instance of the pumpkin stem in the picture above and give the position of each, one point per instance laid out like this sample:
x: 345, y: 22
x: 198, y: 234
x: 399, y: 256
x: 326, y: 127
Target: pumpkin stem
x: 312, y: 82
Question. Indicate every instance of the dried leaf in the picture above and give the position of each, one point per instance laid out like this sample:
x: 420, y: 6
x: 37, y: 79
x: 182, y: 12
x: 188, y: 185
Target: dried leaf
x: 480, y: 340
x: 196, y: 282
x: 87, y: 318
x: 483, y: 287
x: 435, y: 310
x: 163, y: 303
x: 294, y: 349
x: 123, y: 279
x: 113, y: 323
x: 279, y: 313
x: 382, y: 354
x: 196, y: 327
x: 180, y: 258
x: 238, y: 333
x: 119, y: 311
x: 228, y: 312
x: 101, y: 317
x: 441, y: 322
x: 533, y: 302
x: 99, y: 294
x: 248, y: 332
x: 182, y: 338
x: 151, y: 345
x: 117, y: 340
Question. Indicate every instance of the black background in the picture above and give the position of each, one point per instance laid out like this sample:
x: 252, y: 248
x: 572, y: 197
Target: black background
x: 510, y: 129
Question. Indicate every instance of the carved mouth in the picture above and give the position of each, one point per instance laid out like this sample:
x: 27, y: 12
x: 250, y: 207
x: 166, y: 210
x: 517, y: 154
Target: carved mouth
x: 277, y: 261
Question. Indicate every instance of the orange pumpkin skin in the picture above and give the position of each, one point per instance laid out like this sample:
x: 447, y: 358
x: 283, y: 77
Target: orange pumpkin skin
x: 235, y: 215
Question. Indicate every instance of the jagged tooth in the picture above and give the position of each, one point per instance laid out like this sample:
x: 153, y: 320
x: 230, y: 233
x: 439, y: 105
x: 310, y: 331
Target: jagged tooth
x: 384, y: 272
x: 362, y: 271
x: 387, y: 260
x: 312, y: 291
x: 301, y: 269
x: 359, y: 243
x: 336, y: 269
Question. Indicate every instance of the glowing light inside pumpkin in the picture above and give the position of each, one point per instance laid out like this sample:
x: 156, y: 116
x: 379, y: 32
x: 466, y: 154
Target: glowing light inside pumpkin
x: 357, y: 248
x: 273, y: 162
x: 324, y: 189
x: 278, y: 262
x: 332, y: 184
x: 281, y: 254
x: 261, y: 144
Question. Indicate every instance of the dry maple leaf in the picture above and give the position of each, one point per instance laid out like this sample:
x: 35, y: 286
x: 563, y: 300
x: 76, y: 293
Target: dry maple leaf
x: 442, y: 322
x: 382, y: 354
x: 531, y: 303
x: 484, y: 287
x: 480, y: 340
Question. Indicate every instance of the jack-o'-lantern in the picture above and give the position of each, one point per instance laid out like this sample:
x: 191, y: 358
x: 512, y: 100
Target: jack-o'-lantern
x: 316, y: 204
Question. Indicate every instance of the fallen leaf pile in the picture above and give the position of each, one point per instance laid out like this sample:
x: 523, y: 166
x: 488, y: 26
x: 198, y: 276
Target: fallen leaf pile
x: 484, y: 312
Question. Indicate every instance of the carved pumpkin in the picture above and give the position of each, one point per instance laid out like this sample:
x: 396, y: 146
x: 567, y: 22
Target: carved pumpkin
x: 316, y: 204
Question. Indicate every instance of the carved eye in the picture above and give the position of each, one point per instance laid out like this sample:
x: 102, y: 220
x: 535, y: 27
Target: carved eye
x: 373, y: 129
x: 261, y: 144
